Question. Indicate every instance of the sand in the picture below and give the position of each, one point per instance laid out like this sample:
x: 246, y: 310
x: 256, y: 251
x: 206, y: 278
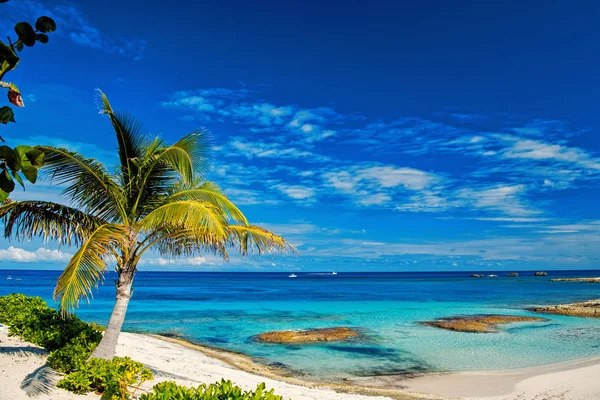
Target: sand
x: 191, y: 365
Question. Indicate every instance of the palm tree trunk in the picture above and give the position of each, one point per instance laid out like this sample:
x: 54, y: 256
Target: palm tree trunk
x: 107, y: 346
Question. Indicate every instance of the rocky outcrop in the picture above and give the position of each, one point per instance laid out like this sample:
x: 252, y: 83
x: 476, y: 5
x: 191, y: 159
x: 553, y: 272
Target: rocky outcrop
x: 541, y: 273
x: 589, y: 280
x: 477, y: 276
x: 479, y: 323
x: 512, y: 275
x: 309, y: 336
x: 584, y: 309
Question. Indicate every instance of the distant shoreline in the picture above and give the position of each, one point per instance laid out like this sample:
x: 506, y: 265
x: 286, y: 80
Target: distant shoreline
x: 478, y: 384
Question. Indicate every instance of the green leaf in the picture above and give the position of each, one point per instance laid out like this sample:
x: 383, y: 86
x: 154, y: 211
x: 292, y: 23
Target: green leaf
x: 22, y: 152
x: 6, y: 182
x: 45, y: 24
x: 42, y: 38
x: 18, y: 178
x: 30, y: 172
x: 3, y: 195
x: 19, y: 46
x: 7, y: 115
x: 26, y: 33
x: 11, y: 158
x: 8, y: 59
x: 35, y: 157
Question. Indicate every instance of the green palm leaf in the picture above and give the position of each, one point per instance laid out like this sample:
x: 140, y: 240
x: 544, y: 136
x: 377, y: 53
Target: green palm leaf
x: 187, y: 215
x: 254, y: 238
x: 87, y: 267
x: 50, y: 221
x: 89, y: 185
x: 130, y: 138
x: 211, y: 193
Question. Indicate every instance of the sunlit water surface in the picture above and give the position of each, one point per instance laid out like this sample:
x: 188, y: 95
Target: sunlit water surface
x: 227, y: 310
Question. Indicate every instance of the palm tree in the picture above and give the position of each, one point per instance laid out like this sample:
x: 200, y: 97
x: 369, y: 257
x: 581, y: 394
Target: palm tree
x: 156, y: 198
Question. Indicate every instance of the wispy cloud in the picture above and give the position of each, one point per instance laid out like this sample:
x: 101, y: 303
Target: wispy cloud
x: 242, y: 106
x: 505, y: 199
x: 19, y: 255
x: 372, y: 184
x: 72, y: 23
x: 238, y: 146
x: 296, y: 192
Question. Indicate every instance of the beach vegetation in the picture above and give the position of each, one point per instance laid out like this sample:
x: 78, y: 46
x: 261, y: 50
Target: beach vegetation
x: 157, y: 198
x: 70, y: 341
x: 22, y: 162
x: 223, y: 390
x: 116, y: 379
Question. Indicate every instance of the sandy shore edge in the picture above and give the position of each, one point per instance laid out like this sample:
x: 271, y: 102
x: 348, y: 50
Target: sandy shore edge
x: 192, y: 364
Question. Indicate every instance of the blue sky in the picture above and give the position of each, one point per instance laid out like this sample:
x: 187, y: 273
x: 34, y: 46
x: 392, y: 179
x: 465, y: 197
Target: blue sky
x: 374, y: 136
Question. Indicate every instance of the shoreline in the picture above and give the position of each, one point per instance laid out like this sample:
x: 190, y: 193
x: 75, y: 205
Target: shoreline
x: 191, y: 364
x: 493, y: 384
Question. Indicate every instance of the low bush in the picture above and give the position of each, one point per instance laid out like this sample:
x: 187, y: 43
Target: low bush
x: 69, y: 340
x: 118, y: 379
x: 223, y: 390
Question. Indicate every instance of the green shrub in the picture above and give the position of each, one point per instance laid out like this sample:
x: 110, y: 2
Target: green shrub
x: 223, y: 390
x: 118, y: 379
x: 71, y: 356
x: 69, y: 339
x: 32, y: 320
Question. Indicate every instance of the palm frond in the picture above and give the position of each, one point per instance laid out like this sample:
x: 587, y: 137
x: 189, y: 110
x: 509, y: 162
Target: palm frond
x: 254, y: 238
x: 187, y: 214
x: 211, y: 193
x: 176, y: 242
x: 162, y: 166
x: 90, y: 186
x: 130, y: 138
x: 189, y: 156
x: 86, y: 269
x: 50, y: 221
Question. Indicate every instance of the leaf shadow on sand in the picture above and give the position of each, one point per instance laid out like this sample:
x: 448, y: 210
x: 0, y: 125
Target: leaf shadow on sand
x: 41, y: 381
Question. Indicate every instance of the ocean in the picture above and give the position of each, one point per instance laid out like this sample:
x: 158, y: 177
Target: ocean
x: 227, y: 310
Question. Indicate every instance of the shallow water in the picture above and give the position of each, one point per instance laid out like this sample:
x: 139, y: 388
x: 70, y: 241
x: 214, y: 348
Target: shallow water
x: 228, y: 309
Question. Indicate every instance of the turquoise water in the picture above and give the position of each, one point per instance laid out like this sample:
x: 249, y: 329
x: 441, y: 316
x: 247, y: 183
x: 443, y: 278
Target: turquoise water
x: 227, y: 310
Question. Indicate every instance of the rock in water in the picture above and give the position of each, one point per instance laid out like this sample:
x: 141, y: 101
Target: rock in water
x: 584, y: 309
x: 512, y: 274
x: 588, y: 280
x: 479, y: 323
x: 541, y: 273
x: 308, y: 336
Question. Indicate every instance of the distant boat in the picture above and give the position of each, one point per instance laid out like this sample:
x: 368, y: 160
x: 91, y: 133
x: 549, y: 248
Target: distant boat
x: 293, y: 276
x: 492, y: 276
x: 9, y: 277
x: 334, y: 273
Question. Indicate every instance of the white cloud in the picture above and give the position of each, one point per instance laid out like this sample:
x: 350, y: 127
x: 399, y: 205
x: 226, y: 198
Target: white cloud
x: 180, y: 261
x: 296, y: 192
x: 19, y: 255
x: 507, y: 199
x: 305, y: 126
x: 384, y: 185
x: 238, y: 146
x: 538, y: 150
x: 511, y: 219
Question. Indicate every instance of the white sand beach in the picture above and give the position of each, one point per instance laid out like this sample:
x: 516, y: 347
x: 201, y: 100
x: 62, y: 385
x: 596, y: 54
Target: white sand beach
x: 191, y: 365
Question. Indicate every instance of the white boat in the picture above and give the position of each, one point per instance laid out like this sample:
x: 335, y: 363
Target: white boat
x: 9, y: 277
x: 293, y: 276
x: 492, y: 276
x: 334, y: 273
